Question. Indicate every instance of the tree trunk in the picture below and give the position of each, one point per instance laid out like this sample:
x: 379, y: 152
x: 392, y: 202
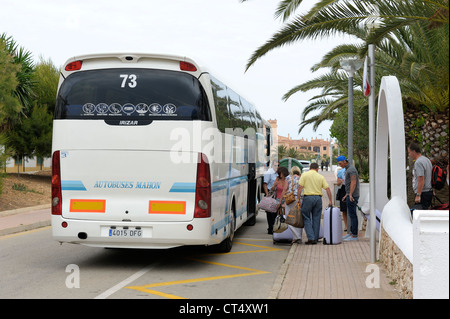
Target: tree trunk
x: 435, y: 146
x: 435, y: 136
x: 431, y: 131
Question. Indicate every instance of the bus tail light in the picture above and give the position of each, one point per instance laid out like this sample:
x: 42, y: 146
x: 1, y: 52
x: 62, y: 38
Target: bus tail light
x: 74, y: 66
x: 186, y: 66
x: 56, y: 185
x: 203, y: 188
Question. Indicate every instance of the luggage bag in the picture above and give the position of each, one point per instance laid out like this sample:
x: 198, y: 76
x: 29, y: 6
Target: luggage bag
x: 283, y: 237
x: 332, y: 224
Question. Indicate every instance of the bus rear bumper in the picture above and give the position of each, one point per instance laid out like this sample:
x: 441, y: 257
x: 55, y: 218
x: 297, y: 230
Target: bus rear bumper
x: 155, y: 235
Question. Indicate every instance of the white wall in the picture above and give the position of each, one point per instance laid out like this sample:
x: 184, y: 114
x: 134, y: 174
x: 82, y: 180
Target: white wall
x: 431, y: 254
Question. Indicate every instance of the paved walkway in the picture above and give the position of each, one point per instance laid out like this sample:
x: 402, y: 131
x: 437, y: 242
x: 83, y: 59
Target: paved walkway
x: 309, y: 272
x: 332, y: 271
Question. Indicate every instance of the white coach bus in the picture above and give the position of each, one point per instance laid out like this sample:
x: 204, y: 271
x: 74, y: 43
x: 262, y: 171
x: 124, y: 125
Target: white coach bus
x: 152, y: 151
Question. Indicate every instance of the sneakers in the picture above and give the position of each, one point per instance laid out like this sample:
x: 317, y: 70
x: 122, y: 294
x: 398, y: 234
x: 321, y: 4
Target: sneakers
x: 346, y: 236
x: 350, y: 238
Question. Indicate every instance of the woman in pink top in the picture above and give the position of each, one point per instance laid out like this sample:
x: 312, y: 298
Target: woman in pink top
x: 281, y: 184
x: 278, y: 187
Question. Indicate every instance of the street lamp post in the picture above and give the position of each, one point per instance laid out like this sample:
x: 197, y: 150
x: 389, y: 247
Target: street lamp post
x: 373, y: 222
x: 351, y: 65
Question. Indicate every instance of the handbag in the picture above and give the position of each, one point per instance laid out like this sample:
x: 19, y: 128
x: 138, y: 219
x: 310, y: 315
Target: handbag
x: 340, y: 193
x: 269, y: 203
x: 295, y: 217
x: 290, y: 197
x: 279, y: 224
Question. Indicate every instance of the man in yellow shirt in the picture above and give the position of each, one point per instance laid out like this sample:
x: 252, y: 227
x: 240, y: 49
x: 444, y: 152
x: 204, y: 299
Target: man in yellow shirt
x: 312, y: 183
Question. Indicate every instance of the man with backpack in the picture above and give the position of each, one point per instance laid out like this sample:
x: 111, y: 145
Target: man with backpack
x: 421, y: 180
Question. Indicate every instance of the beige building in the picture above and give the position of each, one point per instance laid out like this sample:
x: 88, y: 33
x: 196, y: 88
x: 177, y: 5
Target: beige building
x: 28, y: 164
x: 321, y: 147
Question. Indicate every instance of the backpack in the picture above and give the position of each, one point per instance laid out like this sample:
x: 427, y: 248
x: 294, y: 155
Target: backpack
x: 438, y: 177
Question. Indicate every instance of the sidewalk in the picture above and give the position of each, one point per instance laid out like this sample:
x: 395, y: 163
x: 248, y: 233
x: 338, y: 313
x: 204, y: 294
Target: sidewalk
x: 309, y: 272
x: 23, y: 219
x: 332, y: 271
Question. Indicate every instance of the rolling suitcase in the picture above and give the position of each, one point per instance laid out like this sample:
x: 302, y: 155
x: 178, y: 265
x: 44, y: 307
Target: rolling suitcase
x: 332, y: 226
x: 284, y: 237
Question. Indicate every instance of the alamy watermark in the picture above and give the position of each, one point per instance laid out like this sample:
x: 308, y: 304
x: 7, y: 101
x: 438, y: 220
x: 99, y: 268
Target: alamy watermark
x: 234, y: 146
x: 373, y: 279
x: 73, y: 279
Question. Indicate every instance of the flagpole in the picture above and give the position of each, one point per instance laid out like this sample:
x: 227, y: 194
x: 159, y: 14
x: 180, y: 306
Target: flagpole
x: 372, y: 224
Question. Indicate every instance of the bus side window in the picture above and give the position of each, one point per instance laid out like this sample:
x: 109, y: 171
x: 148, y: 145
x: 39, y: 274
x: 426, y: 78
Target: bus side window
x: 221, y: 104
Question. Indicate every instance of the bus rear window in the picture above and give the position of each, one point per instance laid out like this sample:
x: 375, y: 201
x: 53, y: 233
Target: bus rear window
x: 132, y: 94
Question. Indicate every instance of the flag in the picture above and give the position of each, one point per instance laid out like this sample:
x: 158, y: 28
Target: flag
x: 366, y: 85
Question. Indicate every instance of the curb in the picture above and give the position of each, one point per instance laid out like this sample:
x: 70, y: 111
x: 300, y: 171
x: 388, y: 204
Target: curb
x: 23, y: 228
x: 278, y: 284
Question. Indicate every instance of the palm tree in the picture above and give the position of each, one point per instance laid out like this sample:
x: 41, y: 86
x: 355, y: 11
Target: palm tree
x: 10, y: 106
x: 293, y: 153
x: 23, y: 58
x: 328, y: 18
x: 417, y: 56
x: 282, y: 151
x: 413, y: 22
x: 412, y: 43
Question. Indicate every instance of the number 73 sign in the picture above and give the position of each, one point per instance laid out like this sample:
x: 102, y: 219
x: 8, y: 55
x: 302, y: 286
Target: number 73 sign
x: 130, y: 79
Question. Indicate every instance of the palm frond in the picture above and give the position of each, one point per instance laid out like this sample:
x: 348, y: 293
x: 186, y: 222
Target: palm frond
x: 286, y: 8
x: 334, y: 56
x: 329, y: 82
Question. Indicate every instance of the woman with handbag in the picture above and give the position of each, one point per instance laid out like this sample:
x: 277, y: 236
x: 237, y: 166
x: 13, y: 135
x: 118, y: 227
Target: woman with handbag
x: 278, y: 189
x: 293, y: 179
x: 281, y: 185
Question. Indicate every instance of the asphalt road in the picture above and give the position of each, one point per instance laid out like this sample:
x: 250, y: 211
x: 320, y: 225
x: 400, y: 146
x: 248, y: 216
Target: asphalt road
x: 35, y: 266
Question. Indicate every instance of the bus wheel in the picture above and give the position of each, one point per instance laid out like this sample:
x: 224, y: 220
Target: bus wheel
x: 226, y: 245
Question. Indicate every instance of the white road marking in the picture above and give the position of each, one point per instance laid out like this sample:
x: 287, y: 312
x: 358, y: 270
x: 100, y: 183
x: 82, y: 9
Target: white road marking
x: 124, y: 283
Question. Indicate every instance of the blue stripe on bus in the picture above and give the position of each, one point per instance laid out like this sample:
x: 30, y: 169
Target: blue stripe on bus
x: 226, y: 220
x: 72, y: 186
x: 215, y: 187
x: 183, y: 188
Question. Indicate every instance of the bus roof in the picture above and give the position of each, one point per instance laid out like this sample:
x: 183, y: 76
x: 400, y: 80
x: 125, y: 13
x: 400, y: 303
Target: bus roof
x: 110, y: 60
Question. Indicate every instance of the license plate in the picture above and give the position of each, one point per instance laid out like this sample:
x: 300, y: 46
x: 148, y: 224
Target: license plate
x: 125, y: 232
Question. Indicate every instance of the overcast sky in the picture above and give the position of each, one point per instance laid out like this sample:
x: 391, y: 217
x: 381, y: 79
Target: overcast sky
x: 220, y: 34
